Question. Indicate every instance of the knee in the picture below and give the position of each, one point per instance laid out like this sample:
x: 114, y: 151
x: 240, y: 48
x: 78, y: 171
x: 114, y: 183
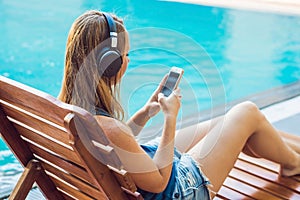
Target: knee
x: 249, y: 110
x: 248, y: 106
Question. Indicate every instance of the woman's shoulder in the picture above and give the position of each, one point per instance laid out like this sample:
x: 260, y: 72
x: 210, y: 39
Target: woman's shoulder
x: 118, y: 133
x: 113, y: 127
x: 112, y: 124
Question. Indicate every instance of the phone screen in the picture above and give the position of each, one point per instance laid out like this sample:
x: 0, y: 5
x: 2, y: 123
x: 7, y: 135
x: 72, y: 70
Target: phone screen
x: 170, y: 84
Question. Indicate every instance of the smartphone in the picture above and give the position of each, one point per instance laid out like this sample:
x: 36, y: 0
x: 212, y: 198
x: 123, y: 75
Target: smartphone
x: 172, y: 81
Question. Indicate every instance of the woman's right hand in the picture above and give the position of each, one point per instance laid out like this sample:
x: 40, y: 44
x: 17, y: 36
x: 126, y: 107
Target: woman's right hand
x: 170, y: 105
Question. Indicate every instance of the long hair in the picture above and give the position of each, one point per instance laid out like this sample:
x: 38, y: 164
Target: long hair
x: 82, y: 84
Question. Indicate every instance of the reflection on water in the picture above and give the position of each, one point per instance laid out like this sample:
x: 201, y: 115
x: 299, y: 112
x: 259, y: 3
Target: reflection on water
x: 261, y: 52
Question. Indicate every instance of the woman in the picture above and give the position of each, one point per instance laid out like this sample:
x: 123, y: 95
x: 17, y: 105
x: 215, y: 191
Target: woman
x: 96, y: 59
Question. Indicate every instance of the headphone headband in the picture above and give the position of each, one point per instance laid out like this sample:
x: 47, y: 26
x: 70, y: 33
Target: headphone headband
x: 113, y: 35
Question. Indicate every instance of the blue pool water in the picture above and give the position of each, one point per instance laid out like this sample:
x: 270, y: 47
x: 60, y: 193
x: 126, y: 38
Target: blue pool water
x: 227, y: 54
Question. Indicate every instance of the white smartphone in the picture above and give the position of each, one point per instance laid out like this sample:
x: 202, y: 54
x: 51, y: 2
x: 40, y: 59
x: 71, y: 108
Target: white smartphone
x: 172, y: 81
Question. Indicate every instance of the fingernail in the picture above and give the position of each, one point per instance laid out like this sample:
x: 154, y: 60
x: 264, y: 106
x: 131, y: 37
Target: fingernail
x: 160, y: 95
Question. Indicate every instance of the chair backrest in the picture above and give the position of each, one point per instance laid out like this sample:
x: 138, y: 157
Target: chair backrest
x: 64, y: 143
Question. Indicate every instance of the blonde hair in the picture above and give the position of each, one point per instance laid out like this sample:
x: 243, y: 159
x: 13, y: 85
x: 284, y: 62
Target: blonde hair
x: 82, y: 84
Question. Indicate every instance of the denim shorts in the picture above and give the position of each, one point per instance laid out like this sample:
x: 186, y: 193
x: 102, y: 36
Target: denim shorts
x: 191, y: 183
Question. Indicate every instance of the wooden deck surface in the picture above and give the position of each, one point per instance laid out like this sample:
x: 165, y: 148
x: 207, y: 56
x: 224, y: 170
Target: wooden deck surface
x: 290, y: 7
x: 253, y: 178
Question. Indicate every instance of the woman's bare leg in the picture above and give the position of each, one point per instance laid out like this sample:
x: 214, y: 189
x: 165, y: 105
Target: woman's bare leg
x: 291, y: 140
x: 188, y: 137
x: 242, y: 126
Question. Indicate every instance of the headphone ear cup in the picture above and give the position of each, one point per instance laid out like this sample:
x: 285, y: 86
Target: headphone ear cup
x: 109, y: 63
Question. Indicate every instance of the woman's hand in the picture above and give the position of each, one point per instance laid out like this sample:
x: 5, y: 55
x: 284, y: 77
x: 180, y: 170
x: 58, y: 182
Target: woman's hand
x: 170, y: 105
x: 152, y: 106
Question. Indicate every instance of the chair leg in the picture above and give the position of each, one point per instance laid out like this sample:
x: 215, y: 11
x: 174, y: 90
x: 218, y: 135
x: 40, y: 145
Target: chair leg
x: 28, y: 177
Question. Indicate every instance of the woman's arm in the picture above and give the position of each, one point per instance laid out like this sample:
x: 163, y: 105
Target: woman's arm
x: 138, y: 120
x: 150, y: 109
x: 148, y: 174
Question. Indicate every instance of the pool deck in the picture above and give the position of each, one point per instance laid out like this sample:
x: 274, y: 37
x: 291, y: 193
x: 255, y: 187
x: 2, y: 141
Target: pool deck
x: 278, y: 6
x: 285, y: 115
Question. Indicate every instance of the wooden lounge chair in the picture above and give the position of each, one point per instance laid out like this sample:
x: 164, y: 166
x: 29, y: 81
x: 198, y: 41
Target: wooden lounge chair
x: 253, y: 178
x: 45, y: 135
x: 61, y: 147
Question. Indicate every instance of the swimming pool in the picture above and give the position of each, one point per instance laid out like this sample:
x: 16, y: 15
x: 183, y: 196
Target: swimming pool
x: 227, y: 54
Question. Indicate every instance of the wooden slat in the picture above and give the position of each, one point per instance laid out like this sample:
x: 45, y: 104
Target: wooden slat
x: 34, y: 138
x: 248, y: 189
x: 262, y: 184
x: 260, y: 179
x: 227, y: 193
x: 268, y: 175
x: 71, y: 191
x: 52, y: 130
x: 297, y: 178
x: 264, y: 164
x: 260, y: 162
x: 66, y: 165
x: 12, y: 138
x: 219, y: 198
x: 47, y: 187
x: 66, y: 197
x: 77, y: 183
x: 21, y: 95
